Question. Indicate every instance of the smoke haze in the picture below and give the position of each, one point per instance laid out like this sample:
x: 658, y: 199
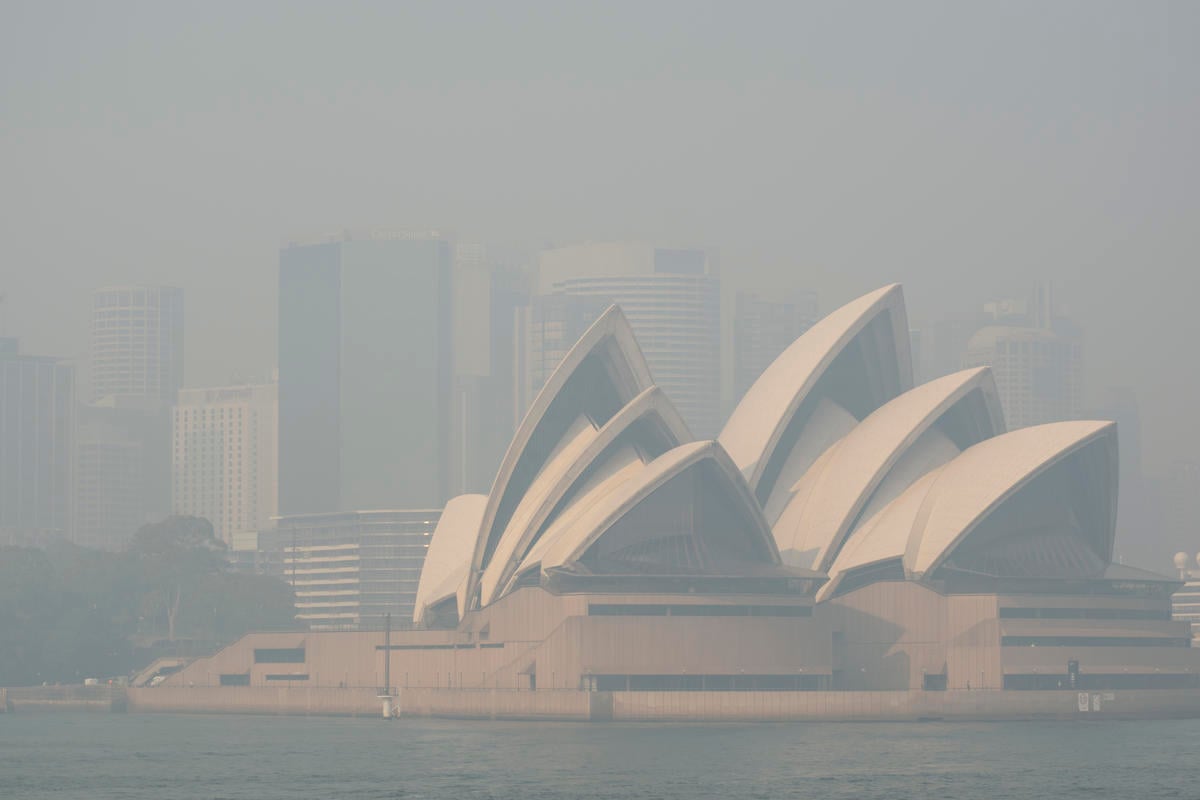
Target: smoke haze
x: 964, y: 150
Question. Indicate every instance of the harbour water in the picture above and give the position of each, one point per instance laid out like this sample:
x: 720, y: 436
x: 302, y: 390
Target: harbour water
x: 166, y: 757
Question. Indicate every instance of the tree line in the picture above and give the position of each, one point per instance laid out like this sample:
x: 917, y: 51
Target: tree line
x: 68, y: 613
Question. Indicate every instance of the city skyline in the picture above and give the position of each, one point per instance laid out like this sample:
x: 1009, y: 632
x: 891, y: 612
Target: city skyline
x: 815, y: 151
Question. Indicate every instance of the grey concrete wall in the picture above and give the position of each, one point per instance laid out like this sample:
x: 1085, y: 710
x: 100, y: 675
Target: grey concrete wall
x: 63, y: 698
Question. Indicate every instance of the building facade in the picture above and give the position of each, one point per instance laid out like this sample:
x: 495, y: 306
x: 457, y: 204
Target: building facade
x: 763, y: 328
x: 224, y: 445
x: 1039, y: 372
x: 124, y: 455
x: 37, y: 440
x: 366, y: 372
x: 120, y: 484
x: 672, y: 299
x: 137, y: 342
x: 349, y: 570
x: 488, y: 299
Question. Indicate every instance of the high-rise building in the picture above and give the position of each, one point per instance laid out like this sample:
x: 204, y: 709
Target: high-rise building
x: 350, y: 569
x: 137, y: 342
x: 763, y: 328
x: 1178, y: 497
x: 118, y: 441
x: 1038, y: 372
x: 37, y: 430
x: 223, y: 463
x: 1036, y: 356
x: 366, y: 372
x: 947, y: 342
x: 124, y: 454
x: 1141, y: 537
x: 672, y: 299
x: 487, y: 298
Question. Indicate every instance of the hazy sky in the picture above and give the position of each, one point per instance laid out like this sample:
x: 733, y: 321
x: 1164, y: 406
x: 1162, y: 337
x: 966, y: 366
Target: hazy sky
x: 960, y: 148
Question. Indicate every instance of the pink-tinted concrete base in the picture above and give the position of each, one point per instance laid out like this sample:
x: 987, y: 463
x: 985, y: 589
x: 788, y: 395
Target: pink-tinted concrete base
x: 672, y: 706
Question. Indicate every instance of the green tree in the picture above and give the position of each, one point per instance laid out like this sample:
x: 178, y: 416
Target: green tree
x: 69, y: 612
x: 175, y: 557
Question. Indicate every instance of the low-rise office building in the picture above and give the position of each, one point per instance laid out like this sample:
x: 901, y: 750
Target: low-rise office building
x: 350, y: 569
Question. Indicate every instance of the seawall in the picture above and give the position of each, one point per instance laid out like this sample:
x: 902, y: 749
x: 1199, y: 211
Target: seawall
x: 672, y: 706
x: 63, y: 698
x: 329, y: 701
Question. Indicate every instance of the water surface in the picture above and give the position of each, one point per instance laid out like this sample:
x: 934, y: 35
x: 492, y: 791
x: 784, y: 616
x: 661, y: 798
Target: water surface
x: 164, y: 757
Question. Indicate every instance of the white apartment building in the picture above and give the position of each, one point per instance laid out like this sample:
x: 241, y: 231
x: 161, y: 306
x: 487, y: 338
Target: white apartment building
x: 224, y: 464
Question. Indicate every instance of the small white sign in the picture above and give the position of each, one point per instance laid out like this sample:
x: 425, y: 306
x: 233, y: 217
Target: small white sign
x: 1083, y: 701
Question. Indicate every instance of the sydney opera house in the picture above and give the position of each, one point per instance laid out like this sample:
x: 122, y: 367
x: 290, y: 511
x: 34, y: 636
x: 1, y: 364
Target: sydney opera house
x: 846, y: 532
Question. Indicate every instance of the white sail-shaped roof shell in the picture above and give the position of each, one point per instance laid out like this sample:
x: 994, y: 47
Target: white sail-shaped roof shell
x: 882, y: 538
x: 979, y: 481
x: 449, y: 554
x: 876, y: 325
x: 571, y: 542
x: 566, y: 470
x: 602, y: 373
x: 880, y: 458
x: 622, y: 465
x: 922, y: 527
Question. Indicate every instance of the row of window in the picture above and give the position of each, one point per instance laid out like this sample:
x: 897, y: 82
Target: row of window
x: 1084, y: 613
x: 1094, y: 641
x: 704, y: 683
x: 1105, y: 682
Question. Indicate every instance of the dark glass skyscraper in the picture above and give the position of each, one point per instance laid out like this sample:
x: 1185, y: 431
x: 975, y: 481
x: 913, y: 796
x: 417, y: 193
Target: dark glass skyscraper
x: 366, y: 370
x: 37, y: 429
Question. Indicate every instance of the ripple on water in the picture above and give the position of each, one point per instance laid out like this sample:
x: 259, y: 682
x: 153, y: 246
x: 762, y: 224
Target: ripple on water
x: 165, y: 757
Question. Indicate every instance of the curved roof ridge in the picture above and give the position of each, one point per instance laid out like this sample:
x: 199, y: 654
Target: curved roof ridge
x: 881, y: 538
x: 622, y: 465
x: 449, y: 554
x: 629, y: 373
x: 589, y: 527
x: 547, y: 490
x: 844, y: 483
x: 984, y: 476
x: 754, y: 429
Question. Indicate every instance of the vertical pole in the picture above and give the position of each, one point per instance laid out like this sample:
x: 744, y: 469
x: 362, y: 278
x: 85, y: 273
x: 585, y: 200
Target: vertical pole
x: 387, y: 654
x: 386, y: 694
